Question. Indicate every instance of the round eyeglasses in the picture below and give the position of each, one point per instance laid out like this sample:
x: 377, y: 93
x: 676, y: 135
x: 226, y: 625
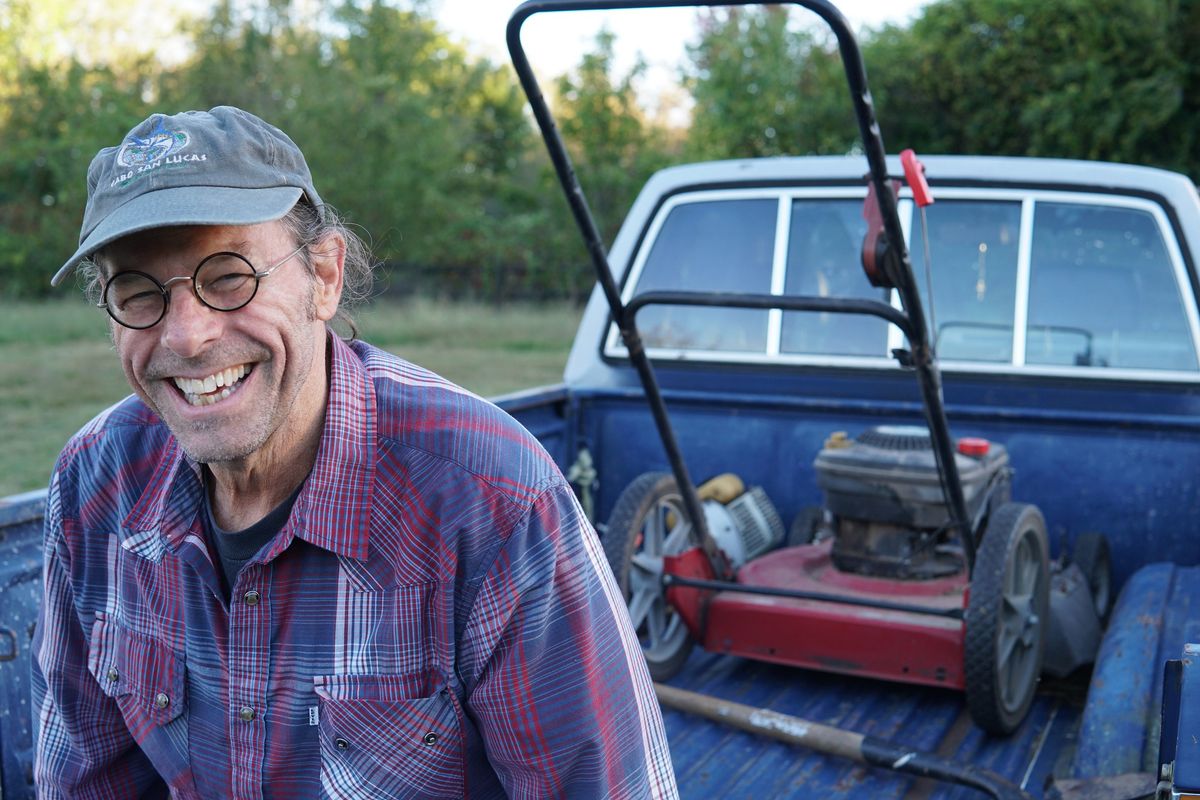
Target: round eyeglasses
x: 223, y: 281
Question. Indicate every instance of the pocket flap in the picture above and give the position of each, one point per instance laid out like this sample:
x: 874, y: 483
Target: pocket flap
x: 129, y: 666
x: 391, y: 735
x: 379, y: 688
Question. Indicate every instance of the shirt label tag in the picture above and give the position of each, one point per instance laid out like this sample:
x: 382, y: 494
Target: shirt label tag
x: 314, y: 715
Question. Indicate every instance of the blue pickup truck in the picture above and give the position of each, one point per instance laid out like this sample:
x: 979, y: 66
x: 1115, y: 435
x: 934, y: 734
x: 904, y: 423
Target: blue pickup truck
x: 1065, y: 295
x: 1067, y: 330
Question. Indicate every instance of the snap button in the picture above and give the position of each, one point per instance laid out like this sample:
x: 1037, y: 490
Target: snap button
x: 247, y: 714
x: 161, y: 700
x: 113, y: 675
x: 429, y: 738
x: 250, y: 598
x: 340, y: 743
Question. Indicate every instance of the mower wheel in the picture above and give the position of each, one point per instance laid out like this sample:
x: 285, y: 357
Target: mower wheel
x: 647, y: 523
x: 1092, y: 557
x: 805, y: 525
x: 1007, y: 617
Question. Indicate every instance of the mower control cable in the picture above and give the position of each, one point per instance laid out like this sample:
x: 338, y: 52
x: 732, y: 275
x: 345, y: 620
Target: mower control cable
x: 838, y: 742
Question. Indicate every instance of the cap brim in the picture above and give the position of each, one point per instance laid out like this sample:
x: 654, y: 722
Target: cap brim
x: 186, y: 205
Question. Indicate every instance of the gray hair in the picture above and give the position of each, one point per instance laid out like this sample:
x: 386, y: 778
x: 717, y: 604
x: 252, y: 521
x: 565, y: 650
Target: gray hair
x: 309, y: 226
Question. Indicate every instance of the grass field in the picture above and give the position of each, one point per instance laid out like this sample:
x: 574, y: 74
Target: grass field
x: 57, y: 368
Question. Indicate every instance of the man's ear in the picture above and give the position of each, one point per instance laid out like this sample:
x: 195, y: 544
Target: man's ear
x: 329, y: 265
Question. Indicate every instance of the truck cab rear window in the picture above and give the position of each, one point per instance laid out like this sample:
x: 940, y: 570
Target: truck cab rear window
x: 719, y: 246
x: 1023, y: 281
x: 973, y: 253
x: 824, y: 241
x: 1101, y: 292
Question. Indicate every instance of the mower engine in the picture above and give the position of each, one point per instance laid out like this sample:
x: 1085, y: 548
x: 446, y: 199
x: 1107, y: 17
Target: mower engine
x: 885, y: 494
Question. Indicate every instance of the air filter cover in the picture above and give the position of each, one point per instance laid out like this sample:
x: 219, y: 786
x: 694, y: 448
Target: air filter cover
x: 889, y: 474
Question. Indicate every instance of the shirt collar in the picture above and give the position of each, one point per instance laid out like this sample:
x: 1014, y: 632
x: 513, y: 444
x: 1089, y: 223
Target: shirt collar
x: 333, y: 510
x: 335, y: 506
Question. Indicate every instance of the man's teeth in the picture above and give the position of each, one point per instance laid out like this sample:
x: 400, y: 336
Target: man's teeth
x: 203, y: 392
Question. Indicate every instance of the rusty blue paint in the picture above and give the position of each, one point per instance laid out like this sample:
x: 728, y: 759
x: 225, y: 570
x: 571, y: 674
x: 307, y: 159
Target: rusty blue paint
x: 20, y: 595
x: 1180, y: 744
x: 1150, y: 624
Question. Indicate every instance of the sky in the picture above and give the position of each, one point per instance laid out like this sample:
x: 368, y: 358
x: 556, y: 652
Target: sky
x: 554, y: 41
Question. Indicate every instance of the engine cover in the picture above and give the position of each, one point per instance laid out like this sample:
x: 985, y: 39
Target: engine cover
x: 889, y: 475
x: 885, y: 493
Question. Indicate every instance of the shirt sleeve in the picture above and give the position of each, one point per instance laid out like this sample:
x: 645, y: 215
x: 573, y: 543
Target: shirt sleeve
x: 563, y: 699
x: 82, y: 747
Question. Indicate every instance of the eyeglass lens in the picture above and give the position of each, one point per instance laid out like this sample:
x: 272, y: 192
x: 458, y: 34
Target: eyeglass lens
x: 223, y: 281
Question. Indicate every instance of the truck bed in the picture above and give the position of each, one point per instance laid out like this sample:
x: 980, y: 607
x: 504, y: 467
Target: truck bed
x: 20, y: 598
x: 1151, y: 621
x: 1060, y: 737
x: 712, y: 760
x: 1116, y: 732
x: 1078, y: 728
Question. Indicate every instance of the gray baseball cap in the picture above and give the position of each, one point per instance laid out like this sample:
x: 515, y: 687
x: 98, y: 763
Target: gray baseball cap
x: 219, y: 167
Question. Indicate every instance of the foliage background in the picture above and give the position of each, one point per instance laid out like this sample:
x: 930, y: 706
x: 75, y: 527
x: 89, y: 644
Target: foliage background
x: 431, y: 150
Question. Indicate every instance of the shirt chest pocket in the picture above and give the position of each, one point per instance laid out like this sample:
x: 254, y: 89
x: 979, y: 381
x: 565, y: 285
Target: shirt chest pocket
x: 389, y: 736
x: 147, y: 680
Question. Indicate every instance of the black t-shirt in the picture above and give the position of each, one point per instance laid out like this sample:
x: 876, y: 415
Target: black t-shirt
x: 235, y: 548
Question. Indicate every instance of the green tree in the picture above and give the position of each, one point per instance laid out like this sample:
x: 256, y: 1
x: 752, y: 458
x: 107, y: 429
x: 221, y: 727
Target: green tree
x: 413, y: 139
x: 601, y: 121
x: 1185, y: 32
x: 73, y: 77
x: 1097, y: 79
x: 613, y: 147
x: 763, y: 87
x: 70, y: 76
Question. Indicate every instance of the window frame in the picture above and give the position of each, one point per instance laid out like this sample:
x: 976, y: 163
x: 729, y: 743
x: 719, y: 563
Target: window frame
x: 1027, y: 198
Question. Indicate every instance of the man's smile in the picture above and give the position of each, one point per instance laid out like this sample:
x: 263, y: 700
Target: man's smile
x: 215, y: 387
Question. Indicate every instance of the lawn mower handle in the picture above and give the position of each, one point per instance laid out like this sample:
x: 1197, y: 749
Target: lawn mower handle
x: 921, y: 355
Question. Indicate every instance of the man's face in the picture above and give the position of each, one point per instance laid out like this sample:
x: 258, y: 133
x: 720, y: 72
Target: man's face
x: 228, y: 384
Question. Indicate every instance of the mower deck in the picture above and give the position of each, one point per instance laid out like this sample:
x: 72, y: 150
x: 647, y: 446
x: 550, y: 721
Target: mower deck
x: 905, y: 646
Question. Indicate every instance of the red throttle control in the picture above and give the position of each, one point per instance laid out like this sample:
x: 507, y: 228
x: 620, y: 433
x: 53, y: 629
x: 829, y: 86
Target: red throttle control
x: 914, y: 176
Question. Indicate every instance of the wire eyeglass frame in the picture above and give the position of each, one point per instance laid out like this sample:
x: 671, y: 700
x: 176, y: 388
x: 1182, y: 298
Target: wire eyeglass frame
x: 164, y: 288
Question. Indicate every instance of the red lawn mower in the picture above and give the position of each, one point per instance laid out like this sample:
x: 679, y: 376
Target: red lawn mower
x: 873, y: 584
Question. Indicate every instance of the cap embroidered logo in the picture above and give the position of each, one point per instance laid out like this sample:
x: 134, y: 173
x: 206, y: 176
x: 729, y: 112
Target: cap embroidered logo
x: 138, y: 151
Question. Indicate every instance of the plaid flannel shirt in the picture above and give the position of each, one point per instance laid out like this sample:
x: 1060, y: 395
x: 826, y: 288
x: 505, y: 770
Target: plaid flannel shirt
x: 435, y: 619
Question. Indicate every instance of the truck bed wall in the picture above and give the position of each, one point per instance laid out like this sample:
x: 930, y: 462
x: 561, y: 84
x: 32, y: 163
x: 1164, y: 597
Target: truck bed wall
x: 20, y: 597
x: 1120, y: 459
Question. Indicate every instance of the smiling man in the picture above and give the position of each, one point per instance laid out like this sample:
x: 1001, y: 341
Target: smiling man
x: 293, y: 566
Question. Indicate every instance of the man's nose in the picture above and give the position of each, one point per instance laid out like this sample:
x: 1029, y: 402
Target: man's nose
x: 189, y: 326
